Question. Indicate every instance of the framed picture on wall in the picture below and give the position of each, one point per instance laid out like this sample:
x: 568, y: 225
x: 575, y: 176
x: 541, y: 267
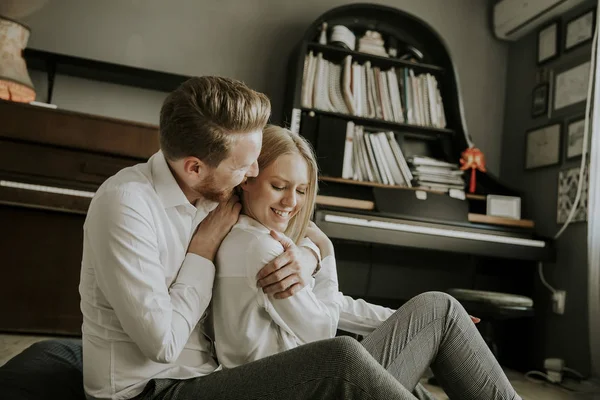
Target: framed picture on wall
x: 539, y: 100
x: 571, y: 85
x: 580, y: 30
x: 575, y: 128
x: 542, y: 146
x: 548, y: 42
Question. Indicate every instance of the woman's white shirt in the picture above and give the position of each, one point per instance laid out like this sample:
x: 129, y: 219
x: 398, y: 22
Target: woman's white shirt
x: 250, y: 325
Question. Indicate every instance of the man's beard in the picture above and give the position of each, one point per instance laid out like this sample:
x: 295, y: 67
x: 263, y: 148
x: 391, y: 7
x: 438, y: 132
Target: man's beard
x: 210, y: 191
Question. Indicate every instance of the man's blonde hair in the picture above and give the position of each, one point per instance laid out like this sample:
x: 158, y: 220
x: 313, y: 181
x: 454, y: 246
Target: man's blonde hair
x: 201, y: 117
x: 278, y: 141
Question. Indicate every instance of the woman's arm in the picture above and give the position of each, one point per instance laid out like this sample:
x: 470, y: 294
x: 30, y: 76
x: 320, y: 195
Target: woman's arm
x: 356, y: 316
x: 305, y: 316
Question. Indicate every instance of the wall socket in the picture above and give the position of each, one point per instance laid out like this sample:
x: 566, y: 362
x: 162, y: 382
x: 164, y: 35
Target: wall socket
x: 558, y: 301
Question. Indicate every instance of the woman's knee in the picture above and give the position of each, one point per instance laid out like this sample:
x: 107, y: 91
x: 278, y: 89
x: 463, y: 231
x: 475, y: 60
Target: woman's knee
x: 349, y: 353
x: 439, y: 300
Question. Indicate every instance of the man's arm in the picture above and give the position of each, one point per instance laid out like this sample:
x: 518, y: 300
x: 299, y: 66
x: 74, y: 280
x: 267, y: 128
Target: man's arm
x: 291, y: 271
x: 123, y: 243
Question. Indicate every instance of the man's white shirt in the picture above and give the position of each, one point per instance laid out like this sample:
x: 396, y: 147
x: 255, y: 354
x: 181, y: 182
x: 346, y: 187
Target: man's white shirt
x: 142, y: 294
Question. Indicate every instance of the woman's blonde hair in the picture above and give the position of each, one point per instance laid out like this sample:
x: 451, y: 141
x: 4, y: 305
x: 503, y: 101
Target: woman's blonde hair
x: 278, y: 141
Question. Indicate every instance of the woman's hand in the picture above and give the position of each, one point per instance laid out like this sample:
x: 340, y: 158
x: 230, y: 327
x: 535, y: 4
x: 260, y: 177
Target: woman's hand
x: 317, y: 236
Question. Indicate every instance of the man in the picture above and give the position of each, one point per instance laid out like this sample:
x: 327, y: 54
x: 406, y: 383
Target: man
x: 150, y: 238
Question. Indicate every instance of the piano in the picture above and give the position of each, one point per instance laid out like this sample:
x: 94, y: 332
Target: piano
x: 51, y: 164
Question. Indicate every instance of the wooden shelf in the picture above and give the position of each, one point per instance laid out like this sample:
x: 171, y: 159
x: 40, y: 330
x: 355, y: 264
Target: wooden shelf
x: 488, y: 219
x: 476, y: 196
x: 375, y: 184
x: 378, y: 61
x: 389, y: 125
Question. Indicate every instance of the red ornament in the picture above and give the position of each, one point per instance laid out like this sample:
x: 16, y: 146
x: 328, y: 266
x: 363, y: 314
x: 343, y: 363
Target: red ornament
x: 472, y: 158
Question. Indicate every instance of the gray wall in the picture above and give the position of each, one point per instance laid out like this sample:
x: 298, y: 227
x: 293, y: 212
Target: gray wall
x: 250, y: 40
x: 565, y: 336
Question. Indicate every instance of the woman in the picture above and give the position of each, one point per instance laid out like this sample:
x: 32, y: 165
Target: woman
x: 430, y: 330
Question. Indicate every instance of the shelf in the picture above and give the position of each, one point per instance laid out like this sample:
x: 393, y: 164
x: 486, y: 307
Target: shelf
x: 375, y: 184
x: 381, y: 124
x: 382, y: 185
x: 377, y: 61
x: 54, y: 63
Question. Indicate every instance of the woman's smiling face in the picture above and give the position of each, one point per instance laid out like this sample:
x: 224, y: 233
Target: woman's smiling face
x: 278, y: 192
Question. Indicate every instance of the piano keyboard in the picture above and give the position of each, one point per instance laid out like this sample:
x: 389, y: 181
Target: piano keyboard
x: 46, y: 189
x: 428, y: 230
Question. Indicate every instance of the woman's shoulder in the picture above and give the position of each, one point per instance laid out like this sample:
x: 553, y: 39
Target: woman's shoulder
x: 248, y: 234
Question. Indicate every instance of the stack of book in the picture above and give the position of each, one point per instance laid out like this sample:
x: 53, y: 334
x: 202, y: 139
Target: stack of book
x: 430, y: 173
x: 396, y: 94
x: 374, y: 157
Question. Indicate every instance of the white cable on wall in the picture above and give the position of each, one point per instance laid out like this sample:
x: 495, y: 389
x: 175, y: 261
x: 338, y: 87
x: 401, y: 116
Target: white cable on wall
x: 586, y: 129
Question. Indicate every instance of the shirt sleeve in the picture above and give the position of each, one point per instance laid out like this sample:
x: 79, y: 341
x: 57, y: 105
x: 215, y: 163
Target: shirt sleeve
x: 303, y: 315
x: 360, y: 317
x: 306, y: 242
x: 126, y: 259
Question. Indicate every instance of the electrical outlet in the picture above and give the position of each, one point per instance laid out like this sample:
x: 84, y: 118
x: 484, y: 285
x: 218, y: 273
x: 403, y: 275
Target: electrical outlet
x: 558, y: 301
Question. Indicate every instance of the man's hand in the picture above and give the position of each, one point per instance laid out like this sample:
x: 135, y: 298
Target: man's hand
x: 213, y: 229
x: 288, y: 273
x: 475, y: 319
x: 320, y: 239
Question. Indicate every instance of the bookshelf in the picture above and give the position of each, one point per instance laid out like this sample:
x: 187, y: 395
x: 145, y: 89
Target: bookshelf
x: 338, y: 52
x: 414, y: 98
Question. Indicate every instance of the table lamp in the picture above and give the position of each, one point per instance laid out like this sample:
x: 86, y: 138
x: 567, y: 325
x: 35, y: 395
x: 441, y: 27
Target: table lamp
x: 15, y: 83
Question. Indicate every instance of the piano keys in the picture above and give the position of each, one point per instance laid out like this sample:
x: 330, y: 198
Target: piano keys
x: 475, y: 239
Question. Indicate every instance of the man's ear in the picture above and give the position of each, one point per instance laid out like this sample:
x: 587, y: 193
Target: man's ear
x: 194, y: 167
x: 245, y: 184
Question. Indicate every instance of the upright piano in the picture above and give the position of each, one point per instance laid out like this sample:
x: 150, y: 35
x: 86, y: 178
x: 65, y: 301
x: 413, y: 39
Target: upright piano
x: 51, y: 163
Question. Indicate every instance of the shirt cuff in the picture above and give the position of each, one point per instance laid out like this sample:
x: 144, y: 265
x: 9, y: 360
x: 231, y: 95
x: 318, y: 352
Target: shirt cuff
x: 197, y: 272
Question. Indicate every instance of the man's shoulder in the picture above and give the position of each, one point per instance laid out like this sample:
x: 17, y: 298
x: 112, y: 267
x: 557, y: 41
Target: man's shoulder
x: 133, y: 183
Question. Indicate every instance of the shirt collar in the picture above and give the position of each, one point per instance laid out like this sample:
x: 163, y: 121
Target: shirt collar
x: 166, y: 186
x: 246, y: 221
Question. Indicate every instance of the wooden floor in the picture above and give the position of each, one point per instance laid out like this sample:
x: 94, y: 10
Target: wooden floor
x: 11, y: 345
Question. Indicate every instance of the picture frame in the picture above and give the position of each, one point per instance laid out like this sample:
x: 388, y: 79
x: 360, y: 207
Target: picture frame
x: 580, y: 30
x: 568, y: 180
x: 571, y: 85
x: 543, y: 146
x: 539, y: 99
x: 574, y: 131
x: 548, y: 42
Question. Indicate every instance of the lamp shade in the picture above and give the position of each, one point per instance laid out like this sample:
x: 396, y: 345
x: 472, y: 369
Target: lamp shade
x: 15, y: 83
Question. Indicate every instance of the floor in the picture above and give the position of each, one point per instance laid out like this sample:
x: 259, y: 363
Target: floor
x: 11, y: 345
